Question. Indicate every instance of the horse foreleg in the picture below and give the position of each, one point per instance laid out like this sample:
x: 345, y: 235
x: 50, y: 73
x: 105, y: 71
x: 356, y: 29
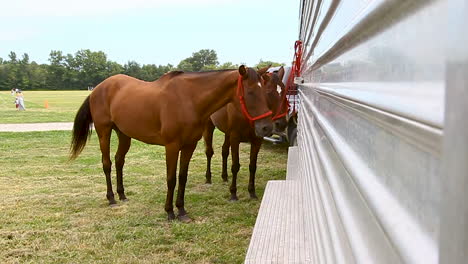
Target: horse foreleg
x: 172, y: 155
x: 208, y: 138
x: 186, y: 155
x: 104, y: 134
x: 225, y: 155
x: 124, y: 146
x: 254, y: 149
x: 235, y: 166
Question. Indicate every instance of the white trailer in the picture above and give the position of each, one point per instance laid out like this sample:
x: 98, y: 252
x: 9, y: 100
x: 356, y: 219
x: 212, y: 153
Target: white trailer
x: 380, y: 173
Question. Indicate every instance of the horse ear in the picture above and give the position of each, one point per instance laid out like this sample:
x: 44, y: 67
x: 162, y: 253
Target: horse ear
x: 263, y: 70
x: 265, y: 79
x: 243, y: 71
x: 281, y: 73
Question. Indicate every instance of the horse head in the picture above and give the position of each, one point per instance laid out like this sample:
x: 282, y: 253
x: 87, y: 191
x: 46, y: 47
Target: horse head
x: 276, y: 98
x: 253, y: 101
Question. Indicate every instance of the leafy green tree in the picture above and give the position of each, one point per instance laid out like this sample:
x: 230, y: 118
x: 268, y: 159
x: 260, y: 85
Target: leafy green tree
x: 92, y: 67
x: 24, y: 75
x: 113, y: 68
x: 13, y: 57
x: 185, y: 65
x: 148, y: 72
x: 209, y: 67
x: 3, y: 77
x: 132, y: 68
x: 199, y: 60
x: 162, y: 69
x: 88, y: 68
x: 56, y: 70
x: 203, y: 58
x: 25, y: 59
x: 72, y: 73
x: 37, y: 75
x: 12, y: 69
x: 262, y: 64
x: 228, y: 65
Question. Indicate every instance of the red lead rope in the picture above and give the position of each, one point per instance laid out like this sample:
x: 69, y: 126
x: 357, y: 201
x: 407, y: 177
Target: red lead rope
x: 240, y: 94
x: 295, y: 71
x: 297, y: 58
x: 278, y: 115
x: 284, y: 100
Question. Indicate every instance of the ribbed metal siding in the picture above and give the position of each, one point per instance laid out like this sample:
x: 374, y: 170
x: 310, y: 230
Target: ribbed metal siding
x: 370, y: 159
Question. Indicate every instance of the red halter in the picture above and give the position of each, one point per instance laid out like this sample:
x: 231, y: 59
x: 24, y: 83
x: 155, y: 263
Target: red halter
x: 284, y: 100
x: 245, y: 112
x: 279, y: 114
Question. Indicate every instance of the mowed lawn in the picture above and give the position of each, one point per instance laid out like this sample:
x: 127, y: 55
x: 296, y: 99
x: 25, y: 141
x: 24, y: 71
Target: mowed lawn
x: 55, y: 211
x: 62, y: 106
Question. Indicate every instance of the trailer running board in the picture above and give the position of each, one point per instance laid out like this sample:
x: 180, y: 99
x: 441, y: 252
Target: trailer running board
x: 281, y: 234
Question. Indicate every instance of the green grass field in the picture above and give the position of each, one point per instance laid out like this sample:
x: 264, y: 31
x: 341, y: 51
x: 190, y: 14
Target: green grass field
x: 63, y: 106
x: 55, y: 211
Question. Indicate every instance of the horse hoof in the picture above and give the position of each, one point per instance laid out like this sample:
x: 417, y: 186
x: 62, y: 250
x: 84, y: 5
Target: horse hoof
x: 124, y: 200
x: 170, y: 216
x: 112, y: 202
x: 184, y: 218
x: 112, y: 205
x: 253, y: 197
x: 208, y: 182
x: 234, y: 198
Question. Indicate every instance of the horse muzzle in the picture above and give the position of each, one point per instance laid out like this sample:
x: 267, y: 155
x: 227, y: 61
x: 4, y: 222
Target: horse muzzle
x: 263, y: 127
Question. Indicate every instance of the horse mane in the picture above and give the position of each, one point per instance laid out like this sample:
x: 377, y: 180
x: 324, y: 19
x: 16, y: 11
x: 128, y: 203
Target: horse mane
x: 209, y: 71
x: 222, y: 70
x: 173, y: 74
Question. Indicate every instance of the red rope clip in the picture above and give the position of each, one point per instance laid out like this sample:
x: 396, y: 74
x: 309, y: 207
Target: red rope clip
x: 295, y: 71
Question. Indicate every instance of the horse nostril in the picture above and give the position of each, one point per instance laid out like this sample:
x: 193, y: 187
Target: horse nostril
x: 267, y: 130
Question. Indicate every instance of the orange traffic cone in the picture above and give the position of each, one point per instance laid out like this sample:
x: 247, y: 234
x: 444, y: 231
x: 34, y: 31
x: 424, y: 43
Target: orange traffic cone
x: 46, y: 104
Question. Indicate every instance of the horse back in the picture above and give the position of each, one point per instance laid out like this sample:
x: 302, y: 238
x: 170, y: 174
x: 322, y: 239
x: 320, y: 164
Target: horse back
x: 151, y: 112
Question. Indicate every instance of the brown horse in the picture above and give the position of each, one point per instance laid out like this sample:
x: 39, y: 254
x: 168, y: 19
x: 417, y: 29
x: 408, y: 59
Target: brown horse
x: 237, y: 128
x: 170, y: 111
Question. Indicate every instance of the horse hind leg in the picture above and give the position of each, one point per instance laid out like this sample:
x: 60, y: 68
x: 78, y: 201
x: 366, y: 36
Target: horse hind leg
x: 254, y: 149
x: 225, y: 155
x: 186, y: 155
x: 208, y: 138
x: 172, y: 156
x: 104, y: 134
x: 235, y: 166
x: 124, y: 146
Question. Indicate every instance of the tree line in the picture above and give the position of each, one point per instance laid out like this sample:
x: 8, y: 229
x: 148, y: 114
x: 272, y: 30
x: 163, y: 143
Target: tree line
x: 88, y: 68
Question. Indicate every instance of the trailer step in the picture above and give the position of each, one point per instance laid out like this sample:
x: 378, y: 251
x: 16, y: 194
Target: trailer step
x: 292, y: 172
x: 280, y: 234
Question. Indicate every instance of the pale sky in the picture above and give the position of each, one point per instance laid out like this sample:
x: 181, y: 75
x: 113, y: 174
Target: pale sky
x: 151, y: 32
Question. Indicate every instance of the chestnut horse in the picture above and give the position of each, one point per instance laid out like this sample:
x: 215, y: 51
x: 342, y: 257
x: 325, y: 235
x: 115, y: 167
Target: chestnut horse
x: 171, y: 111
x: 237, y: 128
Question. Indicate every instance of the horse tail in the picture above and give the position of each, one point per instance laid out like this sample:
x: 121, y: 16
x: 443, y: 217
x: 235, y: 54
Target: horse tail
x: 81, y: 129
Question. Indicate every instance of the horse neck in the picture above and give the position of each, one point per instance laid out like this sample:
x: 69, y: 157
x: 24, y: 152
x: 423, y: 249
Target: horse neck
x: 219, y: 89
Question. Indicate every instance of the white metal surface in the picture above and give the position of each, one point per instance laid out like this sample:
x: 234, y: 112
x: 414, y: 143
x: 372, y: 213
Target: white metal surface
x: 370, y: 129
x: 454, y: 210
x: 382, y: 131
